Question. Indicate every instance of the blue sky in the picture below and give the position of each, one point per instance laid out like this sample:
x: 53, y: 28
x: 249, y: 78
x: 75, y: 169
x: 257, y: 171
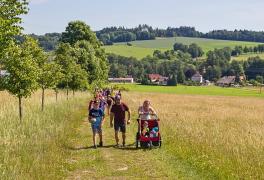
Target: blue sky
x: 205, y: 15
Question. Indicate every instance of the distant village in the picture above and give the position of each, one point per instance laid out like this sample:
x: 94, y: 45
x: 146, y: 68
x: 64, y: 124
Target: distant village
x: 197, y: 79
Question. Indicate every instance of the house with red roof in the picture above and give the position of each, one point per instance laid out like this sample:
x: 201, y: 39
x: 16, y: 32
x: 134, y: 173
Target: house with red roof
x: 158, y: 79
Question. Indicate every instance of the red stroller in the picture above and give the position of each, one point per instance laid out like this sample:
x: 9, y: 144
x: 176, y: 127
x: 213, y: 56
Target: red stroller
x: 148, y: 134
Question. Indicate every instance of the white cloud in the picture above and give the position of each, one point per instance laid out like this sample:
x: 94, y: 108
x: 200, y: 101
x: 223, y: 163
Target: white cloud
x: 38, y: 1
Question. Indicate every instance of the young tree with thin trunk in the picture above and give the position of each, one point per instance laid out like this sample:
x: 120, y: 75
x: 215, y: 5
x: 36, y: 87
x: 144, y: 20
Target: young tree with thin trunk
x: 50, y: 76
x: 23, y: 70
x: 79, y: 79
x: 67, y: 62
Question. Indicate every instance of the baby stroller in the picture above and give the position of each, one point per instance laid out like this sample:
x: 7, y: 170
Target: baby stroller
x: 148, y: 134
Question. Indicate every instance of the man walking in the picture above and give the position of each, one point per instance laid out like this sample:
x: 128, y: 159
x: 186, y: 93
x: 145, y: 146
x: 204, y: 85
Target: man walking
x: 118, y: 113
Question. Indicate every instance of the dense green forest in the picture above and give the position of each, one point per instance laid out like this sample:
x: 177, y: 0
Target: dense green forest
x: 111, y: 35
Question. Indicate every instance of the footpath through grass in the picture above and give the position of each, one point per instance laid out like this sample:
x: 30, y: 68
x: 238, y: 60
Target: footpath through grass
x: 109, y: 162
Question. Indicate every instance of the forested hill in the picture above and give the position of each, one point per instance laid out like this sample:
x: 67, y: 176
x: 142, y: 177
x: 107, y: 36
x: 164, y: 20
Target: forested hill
x: 111, y: 35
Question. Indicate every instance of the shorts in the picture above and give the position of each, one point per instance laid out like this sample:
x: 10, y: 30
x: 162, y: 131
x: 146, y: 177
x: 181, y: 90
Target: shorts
x: 120, y: 127
x: 96, y: 129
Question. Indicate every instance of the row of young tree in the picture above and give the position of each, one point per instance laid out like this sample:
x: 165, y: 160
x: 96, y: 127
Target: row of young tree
x: 77, y: 63
x: 181, y: 65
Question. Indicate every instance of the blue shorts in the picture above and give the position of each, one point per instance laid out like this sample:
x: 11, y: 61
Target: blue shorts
x: 96, y: 128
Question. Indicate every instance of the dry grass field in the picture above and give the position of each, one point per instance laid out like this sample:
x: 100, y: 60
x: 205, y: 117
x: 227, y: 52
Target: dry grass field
x: 221, y: 136
x: 204, y: 137
x: 32, y: 149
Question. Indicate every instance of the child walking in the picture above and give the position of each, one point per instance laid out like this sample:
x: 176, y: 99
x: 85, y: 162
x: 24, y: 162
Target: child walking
x: 96, y: 118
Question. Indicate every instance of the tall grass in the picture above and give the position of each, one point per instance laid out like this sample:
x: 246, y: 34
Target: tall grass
x: 218, y: 137
x: 33, y: 149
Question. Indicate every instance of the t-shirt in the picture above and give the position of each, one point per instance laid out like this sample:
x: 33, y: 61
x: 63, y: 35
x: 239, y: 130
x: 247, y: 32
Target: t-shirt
x: 109, y: 102
x: 102, y: 104
x: 119, y: 112
x: 98, y: 114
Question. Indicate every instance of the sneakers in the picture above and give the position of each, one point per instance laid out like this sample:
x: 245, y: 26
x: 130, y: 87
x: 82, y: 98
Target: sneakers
x: 95, y: 146
x: 117, y: 145
x: 100, y: 144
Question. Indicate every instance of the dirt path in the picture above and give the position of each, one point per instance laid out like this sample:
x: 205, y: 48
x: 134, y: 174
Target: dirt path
x: 108, y: 162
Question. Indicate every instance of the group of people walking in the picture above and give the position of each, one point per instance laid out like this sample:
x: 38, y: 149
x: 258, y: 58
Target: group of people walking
x: 103, y: 100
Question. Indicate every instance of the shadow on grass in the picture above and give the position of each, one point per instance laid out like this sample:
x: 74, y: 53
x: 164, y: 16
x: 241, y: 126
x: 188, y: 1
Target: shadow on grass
x: 78, y: 148
x: 129, y: 147
x: 85, y: 147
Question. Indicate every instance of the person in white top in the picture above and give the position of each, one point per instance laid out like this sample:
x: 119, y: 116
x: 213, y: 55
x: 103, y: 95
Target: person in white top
x: 146, y: 108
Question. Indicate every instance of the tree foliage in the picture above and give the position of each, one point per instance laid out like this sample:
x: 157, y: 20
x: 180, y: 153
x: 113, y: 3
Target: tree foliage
x: 77, y: 31
x: 20, y: 62
x: 10, y: 20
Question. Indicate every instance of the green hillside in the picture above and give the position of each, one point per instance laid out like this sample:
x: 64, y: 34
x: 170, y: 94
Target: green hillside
x: 140, y: 49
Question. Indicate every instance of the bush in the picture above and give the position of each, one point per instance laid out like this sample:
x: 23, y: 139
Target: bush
x: 121, y: 88
x: 253, y: 82
x: 192, y: 83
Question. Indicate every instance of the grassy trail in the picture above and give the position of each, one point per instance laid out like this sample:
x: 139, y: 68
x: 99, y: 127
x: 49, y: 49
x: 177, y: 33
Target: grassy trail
x: 109, y: 162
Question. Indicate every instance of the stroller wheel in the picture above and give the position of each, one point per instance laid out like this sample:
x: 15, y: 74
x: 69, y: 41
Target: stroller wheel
x: 137, y: 142
x: 150, y: 144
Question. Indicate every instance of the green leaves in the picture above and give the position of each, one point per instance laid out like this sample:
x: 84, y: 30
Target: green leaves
x: 77, y: 31
x: 10, y: 11
x: 19, y: 61
x: 81, y: 46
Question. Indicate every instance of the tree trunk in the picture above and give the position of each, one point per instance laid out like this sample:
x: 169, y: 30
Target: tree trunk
x: 56, y: 95
x: 43, y: 96
x: 73, y: 92
x: 67, y: 94
x: 20, y: 108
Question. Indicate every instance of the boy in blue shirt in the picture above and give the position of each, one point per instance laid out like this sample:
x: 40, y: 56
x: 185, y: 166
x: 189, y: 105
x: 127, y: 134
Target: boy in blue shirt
x: 96, y: 118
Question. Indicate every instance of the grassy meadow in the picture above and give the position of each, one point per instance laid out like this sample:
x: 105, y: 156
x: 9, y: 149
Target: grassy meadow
x: 204, y: 137
x: 196, y: 90
x: 140, y: 49
x: 209, y: 137
x: 34, y: 149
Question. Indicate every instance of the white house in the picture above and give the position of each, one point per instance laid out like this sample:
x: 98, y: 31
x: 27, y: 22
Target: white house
x: 121, y: 80
x: 197, y: 77
x: 4, y: 73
